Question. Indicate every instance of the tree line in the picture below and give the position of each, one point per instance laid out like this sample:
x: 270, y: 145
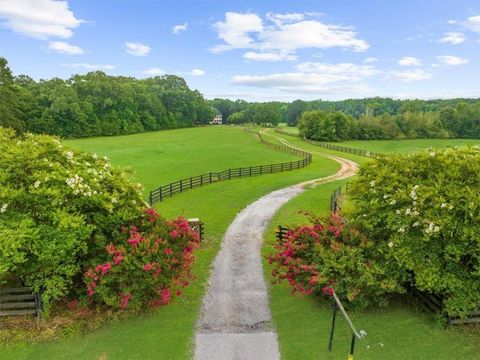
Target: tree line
x: 98, y: 104
x: 461, y: 121
x: 374, y: 118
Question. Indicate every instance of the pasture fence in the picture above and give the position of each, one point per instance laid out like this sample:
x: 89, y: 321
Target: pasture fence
x: 20, y: 301
x: 345, y: 149
x: 179, y: 186
x: 330, y: 146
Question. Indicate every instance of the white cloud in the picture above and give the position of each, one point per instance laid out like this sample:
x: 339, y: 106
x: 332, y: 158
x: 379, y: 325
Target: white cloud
x: 154, y: 71
x: 282, y: 34
x: 453, y: 38
x: 409, y: 75
x: 370, y: 60
x: 297, y: 82
x: 451, y: 60
x: 88, y: 66
x: 137, y: 49
x: 195, y: 72
x: 177, y: 29
x: 312, y: 77
x: 269, y: 56
x: 351, y: 72
x: 409, y: 61
x: 473, y: 23
x: 280, y: 19
x: 235, y: 30
x: 65, y: 48
x: 41, y: 19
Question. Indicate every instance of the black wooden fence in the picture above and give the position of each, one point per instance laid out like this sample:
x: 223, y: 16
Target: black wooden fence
x: 330, y: 146
x: 176, y: 187
x: 19, y: 301
x: 434, y: 303
x: 349, y: 150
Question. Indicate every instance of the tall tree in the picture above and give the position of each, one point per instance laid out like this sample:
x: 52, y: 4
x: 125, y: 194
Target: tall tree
x: 10, y: 114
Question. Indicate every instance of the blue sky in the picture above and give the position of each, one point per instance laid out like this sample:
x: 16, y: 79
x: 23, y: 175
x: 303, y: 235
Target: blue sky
x: 255, y: 50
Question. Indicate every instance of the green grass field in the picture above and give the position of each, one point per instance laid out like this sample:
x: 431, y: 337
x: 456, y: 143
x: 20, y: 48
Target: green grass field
x: 302, y: 323
x: 407, y: 145
x: 398, y: 146
x: 158, y: 158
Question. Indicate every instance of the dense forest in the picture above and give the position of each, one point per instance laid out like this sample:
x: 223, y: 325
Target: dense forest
x: 374, y: 118
x: 462, y: 121
x: 97, y: 104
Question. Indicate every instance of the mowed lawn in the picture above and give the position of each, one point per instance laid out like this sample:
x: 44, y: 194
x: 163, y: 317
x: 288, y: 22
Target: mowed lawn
x: 161, y: 157
x: 167, y: 333
x: 399, y: 331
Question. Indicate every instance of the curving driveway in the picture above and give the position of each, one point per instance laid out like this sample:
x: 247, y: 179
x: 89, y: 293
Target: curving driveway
x: 235, y: 318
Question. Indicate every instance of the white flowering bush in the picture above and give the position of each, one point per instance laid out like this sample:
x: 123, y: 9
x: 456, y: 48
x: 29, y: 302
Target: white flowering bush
x: 423, y: 212
x: 59, y: 208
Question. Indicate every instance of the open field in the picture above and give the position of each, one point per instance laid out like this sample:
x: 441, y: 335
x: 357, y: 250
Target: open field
x: 169, y: 330
x: 398, y: 146
x: 165, y: 156
x: 407, y: 145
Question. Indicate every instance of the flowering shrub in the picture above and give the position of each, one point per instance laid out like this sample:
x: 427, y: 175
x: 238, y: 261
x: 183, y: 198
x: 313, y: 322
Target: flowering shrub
x: 59, y: 208
x: 422, y: 211
x: 313, y: 259
x: 152, y: 261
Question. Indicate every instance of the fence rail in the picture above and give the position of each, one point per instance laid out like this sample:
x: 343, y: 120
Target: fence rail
x: 349, y: 150
x: 330, y: 146
x: 176, y: 187
x: 434, y: 303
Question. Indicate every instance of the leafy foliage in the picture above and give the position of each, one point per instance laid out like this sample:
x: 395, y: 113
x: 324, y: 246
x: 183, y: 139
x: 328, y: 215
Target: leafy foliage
x: 332, y: 253
x: 58, y: 209
x: 422, y: 210
x: 97, y: 104
x: 143, y: 269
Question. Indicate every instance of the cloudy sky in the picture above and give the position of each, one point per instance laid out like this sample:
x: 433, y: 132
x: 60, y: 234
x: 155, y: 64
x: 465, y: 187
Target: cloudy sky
x: 255, y: 50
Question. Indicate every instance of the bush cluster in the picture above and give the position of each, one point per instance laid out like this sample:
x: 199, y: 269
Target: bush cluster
x: 153, y: 259
x: 414, y: 222
x: 332, y: 253
x: 423, y: 210
x: 61, y: 208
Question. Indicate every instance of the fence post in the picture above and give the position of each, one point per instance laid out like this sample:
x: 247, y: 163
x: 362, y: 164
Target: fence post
x: 191, y: 183
x: 150, y: 198
x: 332, y: 328
x: 171, y: 194
x: 181, y: 185
x: 210, y: 178
x: 229, y: 174
x: 250, y: 171
x: 161, y: 194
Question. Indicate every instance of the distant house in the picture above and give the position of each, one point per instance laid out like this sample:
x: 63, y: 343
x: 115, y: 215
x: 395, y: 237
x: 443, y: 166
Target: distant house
x: 217, y: 119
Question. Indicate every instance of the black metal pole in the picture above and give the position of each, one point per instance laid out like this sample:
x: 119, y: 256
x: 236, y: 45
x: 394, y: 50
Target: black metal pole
x: 332, y: 329
x: 352, y: 347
